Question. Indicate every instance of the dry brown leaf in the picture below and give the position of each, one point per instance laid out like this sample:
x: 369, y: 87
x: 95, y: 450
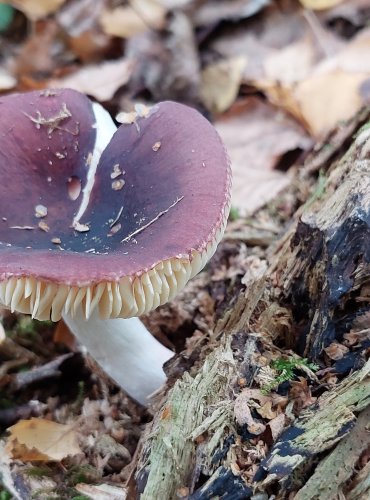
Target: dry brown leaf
x: 37, y: 9
x: 266, y: 411
x: 39, y: 439
x: 336, y: 84
x: 277, y: 425
x: 80, y: 17
x: 266, y: 37
x: 99, y: 80
x: 354, y: 337
x: 102, y: 491
x: 303, y: 67
x: 336, y: 351
x: 243, y: 415
x: 319, y: 4
x: 325, y: 100
x: 220, y: 83
x: 256, y: 136
x: 300, y: 393
x: 292, y: 63
x: 38, y: 55
x: 80, y: 21
x: 134, y: 19
x: 63, y: 335
x: 352, y: 58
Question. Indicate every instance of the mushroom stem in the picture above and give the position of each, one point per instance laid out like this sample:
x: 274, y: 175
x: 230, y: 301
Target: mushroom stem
x: 125, y: 350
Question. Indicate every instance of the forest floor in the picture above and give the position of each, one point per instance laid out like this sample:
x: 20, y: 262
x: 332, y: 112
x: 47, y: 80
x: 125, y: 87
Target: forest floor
x: 276, y: 78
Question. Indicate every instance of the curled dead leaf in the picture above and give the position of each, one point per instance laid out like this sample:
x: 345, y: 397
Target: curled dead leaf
x: 243, y: 415
x: 220, y: 83
x: 336, y: 351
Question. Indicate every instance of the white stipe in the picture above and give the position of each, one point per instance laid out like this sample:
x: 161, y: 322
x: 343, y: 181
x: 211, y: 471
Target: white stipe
x: 125, y: 350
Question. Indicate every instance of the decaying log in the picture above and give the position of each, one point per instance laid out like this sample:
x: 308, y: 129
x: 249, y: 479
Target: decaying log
x: 317, y: 430
x: 314, y: 290
x: 340, y: 464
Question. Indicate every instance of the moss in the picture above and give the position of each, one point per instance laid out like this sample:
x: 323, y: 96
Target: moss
x: 39, y: 471
x: 81, y: 474
x: 31, y: 327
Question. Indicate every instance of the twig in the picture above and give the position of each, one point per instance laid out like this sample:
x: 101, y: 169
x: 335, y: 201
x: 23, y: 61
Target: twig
x: 53, y: 122
x: 117, y: 218
x: 134, y: 233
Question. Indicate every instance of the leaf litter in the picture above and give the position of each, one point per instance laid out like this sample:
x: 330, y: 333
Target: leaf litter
x: 263, y: 72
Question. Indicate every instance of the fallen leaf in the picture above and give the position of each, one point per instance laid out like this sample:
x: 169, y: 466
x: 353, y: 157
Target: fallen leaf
x: 336, y: 351
x: 136, y: 18
x: 265, y: 38
x: 167, y: 62
x: 326, y: 99
x: 319, y: 4
x: 63, y: 335
x: 39, y: 53
x: 292, y: 63
x: 243, y: 415
x: 353, y: 56
x: 80, y: 21
x: 220, y: 83
x: 355, y: 337
x: 266, y: 411
x: 277, y: 425
x: 337, y: 83
x: 80, y: 17
x: 37, y: 9
x: 300, y: 393
x: 256, y: 136
x: 102, y: 491
x: 39, y: 439
x: 213, y: 12
x: 100, y: 81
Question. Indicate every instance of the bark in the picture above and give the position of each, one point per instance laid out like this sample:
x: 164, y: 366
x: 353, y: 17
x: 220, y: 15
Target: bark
x: 315, y: 289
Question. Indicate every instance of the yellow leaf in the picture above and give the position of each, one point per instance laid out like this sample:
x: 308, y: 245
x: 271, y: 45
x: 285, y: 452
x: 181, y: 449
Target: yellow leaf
x: 220, y: 83
x: 39, y: 439
x: 319, y: 4
x: 37, y: 9
x: 138, y: 17
x: 326, y: 99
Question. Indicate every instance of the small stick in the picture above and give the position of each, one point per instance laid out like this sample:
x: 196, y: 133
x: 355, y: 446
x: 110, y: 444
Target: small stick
x: 134, y: 233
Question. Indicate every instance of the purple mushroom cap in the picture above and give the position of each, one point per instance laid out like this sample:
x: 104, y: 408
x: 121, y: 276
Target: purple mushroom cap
x: 106, y: 227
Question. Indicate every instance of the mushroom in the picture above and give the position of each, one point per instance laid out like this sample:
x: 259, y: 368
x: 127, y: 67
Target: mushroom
x: 128, y: 216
